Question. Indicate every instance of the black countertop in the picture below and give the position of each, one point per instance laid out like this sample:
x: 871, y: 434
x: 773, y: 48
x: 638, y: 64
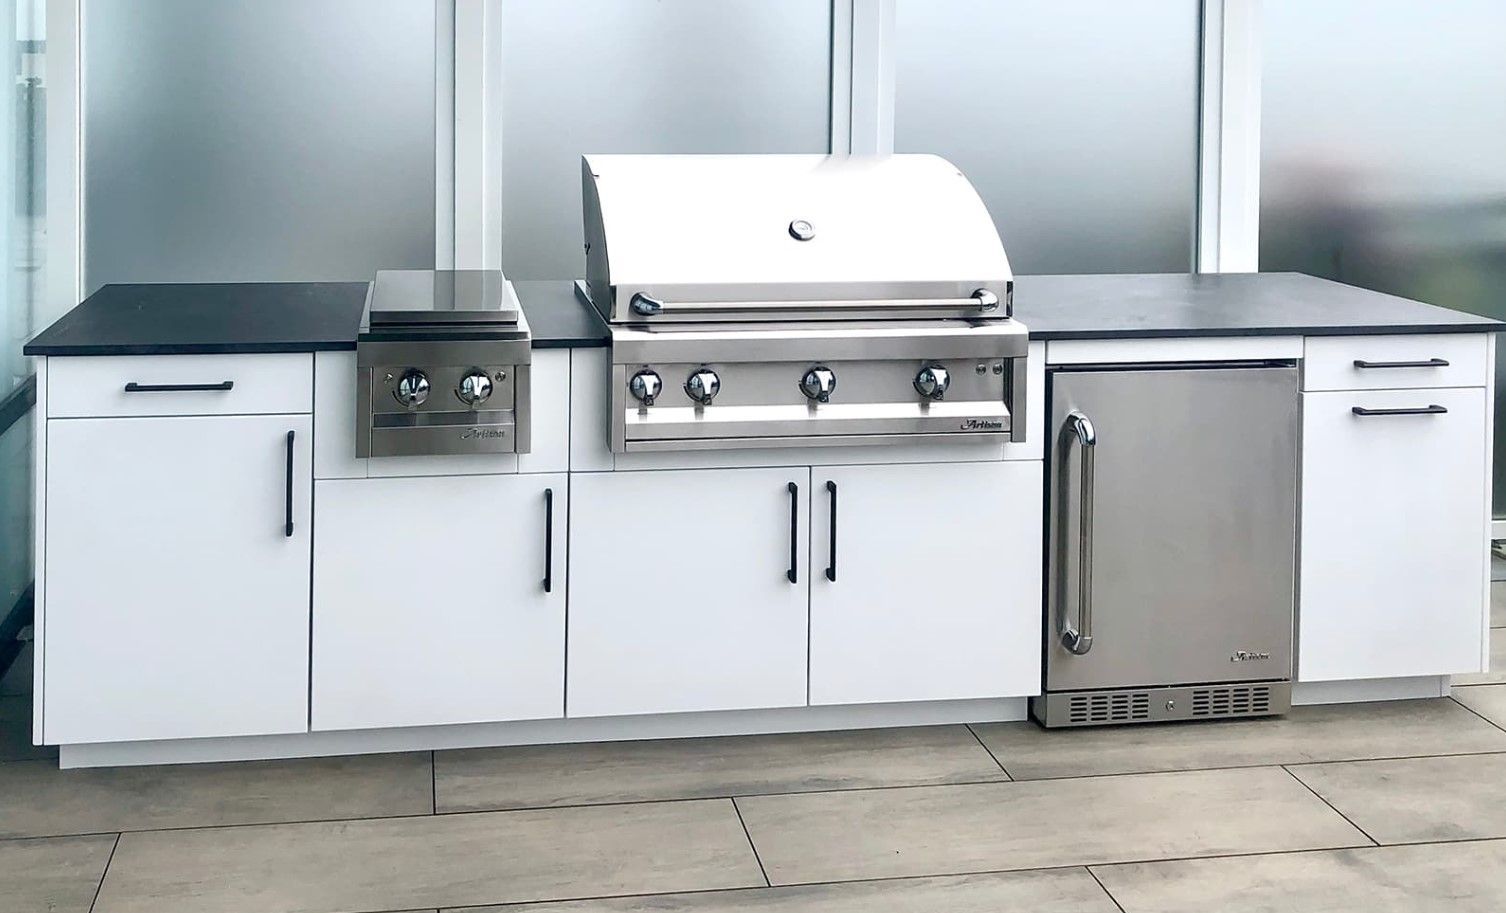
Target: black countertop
x: 1226, y: 304
x: 208, y: 318
x: 244, y: 317
x: 557, y: 318
x: 314, y: 316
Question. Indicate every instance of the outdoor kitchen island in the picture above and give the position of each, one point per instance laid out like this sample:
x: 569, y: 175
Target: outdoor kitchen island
x: 178, y: 620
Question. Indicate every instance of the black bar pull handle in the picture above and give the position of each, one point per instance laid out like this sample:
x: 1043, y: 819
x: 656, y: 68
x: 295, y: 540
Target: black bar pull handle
x: 1434, y: 409
x: 287, y: 528
x: 1425, y: 363
x: 792, y: 575
x: 831, y: 565
x: 134, y: 387
x: 549, y: 540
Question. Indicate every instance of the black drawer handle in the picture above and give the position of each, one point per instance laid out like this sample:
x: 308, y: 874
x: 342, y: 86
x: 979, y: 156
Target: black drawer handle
x: 831, y: 563
x: 1428, y: 363
x: 549, y: 540
x: 1412, y: 410
x: 792, y: 575
x: 287, y: 528
x: 134, y: 387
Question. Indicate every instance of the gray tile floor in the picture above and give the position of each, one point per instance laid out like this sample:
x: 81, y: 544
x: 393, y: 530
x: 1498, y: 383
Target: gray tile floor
x: 1367, y: 807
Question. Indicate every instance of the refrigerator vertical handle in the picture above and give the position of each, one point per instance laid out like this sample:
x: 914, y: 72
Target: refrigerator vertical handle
x: 1078, y: 638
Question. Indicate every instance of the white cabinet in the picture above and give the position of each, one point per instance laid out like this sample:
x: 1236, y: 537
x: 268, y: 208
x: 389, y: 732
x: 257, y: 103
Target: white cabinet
x: 1394, y: 533
x: 177, y: 595
x: 681, y: 594
x: 439, y: 600
x: 937, y: 588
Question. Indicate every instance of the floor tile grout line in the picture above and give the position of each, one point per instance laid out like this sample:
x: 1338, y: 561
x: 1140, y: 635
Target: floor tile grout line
x: 1104, y: 888
x: 787, y: 793
x: 1476, y: 712
x: 1321, y: 798
x: 751, y: 845
x: 105, y: 872
x: 984, y: 745
x: 433, y: 783
x: 1065, y: 867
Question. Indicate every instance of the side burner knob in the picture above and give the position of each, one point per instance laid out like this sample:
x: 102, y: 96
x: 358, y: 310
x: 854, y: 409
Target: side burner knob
x: 645, y: 386
x: 819, y: 383
x: 932, y: 381
x: 474, y: 388
x: 412, y: 388
x: 703, y: 385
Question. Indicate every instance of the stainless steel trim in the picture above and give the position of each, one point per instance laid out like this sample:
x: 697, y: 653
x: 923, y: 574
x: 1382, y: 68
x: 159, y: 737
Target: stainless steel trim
x: 1019, y: 375
x: 522, y: 408
x: 981, y: 300
x: 381, y: 353
x: 1078, y: 639
x: 962, y: 419
x: 821, y: 343
x: 825, y: 440
x: 424, y: 440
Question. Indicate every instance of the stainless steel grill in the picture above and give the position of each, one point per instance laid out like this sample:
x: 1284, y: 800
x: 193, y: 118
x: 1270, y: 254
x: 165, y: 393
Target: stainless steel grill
x: 793, y: 300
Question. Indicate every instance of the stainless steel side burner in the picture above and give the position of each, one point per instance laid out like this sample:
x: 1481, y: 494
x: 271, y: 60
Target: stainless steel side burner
x: 800, y: 300
x: 442, y: 365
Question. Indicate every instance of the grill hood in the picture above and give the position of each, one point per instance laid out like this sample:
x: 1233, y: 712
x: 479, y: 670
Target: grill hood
x: 780, y: 237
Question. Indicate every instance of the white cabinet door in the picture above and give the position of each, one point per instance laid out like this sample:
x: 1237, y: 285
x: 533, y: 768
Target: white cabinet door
x: 439, y: 600
x: 937, y: 589
x: 177, y: 602
x: 681, y: 595
x: 1393, y: 535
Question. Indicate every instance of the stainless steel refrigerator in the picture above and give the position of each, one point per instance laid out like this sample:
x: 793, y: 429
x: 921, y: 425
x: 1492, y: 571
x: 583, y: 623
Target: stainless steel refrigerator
x: 1171, y: 543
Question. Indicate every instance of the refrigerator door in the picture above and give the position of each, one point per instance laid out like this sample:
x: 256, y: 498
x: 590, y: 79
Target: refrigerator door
x: 1191, y: 499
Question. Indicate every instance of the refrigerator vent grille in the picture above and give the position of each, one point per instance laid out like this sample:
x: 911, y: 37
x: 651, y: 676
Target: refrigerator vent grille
x: 1234, y: 700
x: 1115, y: 707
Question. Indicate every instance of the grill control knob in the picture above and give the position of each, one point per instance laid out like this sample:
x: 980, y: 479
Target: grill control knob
x: 645, y: 386
x: 474, y: 388
x: 703, y: 385
x: 932, y: 381
x: 412, y: 388
x: 819, y: 383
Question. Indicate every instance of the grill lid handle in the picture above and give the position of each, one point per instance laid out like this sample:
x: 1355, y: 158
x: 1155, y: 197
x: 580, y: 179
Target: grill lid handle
x: 982, y: 300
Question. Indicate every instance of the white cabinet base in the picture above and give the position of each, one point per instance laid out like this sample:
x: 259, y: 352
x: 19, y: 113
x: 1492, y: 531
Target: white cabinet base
x: 545, y: 732
x: 1307, y: 694
x: 658, y: 726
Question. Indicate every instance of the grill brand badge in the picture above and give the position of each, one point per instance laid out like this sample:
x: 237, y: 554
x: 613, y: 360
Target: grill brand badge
x: 473, y: 434
x: 1248, y: 656
x: 981, y: 424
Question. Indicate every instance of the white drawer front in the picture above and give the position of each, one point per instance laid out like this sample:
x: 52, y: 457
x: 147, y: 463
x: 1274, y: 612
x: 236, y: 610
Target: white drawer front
x: 105, y: 386
x: 1395, y: 362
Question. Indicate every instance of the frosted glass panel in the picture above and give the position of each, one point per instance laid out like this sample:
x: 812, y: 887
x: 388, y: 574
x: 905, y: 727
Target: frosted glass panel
x: 619, y: 76
x: 1383, y: 157
x: 1075, y: 119
x: 280, y: 139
